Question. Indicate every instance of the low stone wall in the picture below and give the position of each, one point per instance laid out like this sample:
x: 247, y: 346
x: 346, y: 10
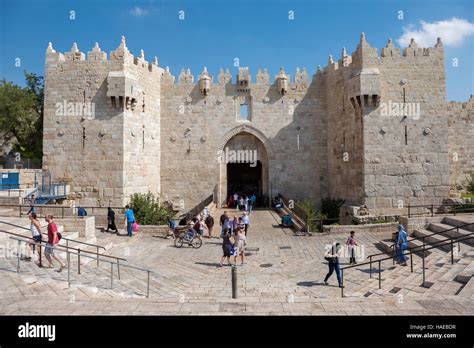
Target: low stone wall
x: 155, y: 230
x: 418, y: 222
x: 379, y: 228
x: 84, y: 225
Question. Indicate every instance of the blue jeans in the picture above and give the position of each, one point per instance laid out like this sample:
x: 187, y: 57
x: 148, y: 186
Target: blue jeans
x: 334, y: 266
x: 129, y: 228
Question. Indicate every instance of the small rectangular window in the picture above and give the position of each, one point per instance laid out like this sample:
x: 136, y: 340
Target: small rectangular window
x: 244, y: 111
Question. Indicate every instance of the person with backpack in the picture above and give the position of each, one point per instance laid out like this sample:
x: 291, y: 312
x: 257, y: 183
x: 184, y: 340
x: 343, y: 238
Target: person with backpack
x: 333, y: 263
x: 351, y: 244
x: 81, y: 211
x: 401, y: 245
x: 240, y: 243
x: 130, y: 219
x: 53, y: 239
x: 209, y: 224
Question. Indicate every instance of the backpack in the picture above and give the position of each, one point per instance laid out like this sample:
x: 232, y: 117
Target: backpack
x: 60, y: 236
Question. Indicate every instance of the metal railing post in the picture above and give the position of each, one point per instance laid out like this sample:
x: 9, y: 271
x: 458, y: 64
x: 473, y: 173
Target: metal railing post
x: 111, y: 275
x: 342, y: 282
x: 409, y: 210
x: 452, y: 251
x: 118, y: 269
x: 423, y: 259
x: 370, y: 267
x: 148, y: 285
x: 40, y: 254
x: 62, y: 212
x: 18, y: 257
x: 78, y: 261
x: 68, y: 269
x: 234, y: 281
x: 432, y: 207
x: 411, y: 260
x: 97, y: 255
x: 380, y: 279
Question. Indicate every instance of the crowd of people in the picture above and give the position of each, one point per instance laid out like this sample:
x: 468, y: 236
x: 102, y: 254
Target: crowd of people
x: 242, y: 202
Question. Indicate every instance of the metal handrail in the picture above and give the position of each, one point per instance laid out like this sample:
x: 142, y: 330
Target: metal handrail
x: 432, y: 206
x: 68, y: 247
x: 410, y: 252
x: 79, y: 255
x: 429, y: 235
x: 65, y: 238
x: 52, y: 206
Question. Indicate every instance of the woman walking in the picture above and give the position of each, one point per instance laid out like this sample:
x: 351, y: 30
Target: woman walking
x: 226, y: 246
x: 111, y: 220
x: 35, y: 228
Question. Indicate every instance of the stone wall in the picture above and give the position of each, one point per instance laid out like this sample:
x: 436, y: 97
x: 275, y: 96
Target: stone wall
x: 318, y: 136
x: 461, y: 142
x: 85, y: 226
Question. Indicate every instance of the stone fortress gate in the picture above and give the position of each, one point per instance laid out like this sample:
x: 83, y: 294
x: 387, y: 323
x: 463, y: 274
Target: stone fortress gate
x: 370, y: 129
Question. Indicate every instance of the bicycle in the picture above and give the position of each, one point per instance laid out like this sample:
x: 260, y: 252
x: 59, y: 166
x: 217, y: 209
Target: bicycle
x: 189, y: 238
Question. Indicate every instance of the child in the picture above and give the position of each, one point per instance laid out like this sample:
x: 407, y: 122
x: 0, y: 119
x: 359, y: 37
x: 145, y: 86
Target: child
x: 351, y: 243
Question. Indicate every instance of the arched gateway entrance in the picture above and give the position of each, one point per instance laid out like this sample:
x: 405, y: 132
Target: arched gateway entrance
x: 244, y: 166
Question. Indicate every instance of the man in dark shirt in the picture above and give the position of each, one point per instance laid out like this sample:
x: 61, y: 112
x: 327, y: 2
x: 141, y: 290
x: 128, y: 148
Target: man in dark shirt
x: 210, y: 224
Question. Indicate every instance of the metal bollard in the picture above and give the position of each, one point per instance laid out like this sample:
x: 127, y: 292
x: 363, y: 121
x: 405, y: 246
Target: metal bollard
x: 234, y: 281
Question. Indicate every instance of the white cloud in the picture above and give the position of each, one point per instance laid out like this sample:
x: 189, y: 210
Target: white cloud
x: 138, y: 12
x: 451, y: 31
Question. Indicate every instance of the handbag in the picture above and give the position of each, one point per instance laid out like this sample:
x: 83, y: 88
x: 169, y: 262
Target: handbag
x: 134, y: 226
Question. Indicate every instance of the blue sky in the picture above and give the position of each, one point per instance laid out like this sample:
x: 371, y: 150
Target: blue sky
x: 215, y: 32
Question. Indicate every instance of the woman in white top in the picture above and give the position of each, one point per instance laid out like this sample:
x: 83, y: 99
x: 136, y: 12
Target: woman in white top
x: 240, y: 243
x: 35, y: 229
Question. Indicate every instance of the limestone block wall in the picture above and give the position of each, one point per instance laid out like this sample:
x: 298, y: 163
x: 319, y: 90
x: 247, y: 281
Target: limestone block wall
x: 82, y: 146
x: 406, y: 157
x: 194, y: 128
x: 461, y: 142
x: 95, y: 138
x: 141, y: 132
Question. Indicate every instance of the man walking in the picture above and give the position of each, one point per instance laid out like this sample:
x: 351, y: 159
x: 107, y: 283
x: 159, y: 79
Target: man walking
x: 53, y: 240
x: 129, y: 218
x: 333, y: 264
x: 210, y: 224
x: 246, y: 222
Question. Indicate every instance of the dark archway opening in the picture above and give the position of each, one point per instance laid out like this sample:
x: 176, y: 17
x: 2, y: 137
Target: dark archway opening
x: 245, y: 180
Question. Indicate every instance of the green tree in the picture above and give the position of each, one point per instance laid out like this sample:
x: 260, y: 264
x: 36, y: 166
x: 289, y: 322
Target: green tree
x: 21, y: 114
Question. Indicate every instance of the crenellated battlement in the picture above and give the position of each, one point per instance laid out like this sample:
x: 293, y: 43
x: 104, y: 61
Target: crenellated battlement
x: 96, y: 55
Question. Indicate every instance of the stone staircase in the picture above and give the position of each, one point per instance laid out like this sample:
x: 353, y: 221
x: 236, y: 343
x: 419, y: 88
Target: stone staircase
x: 93, y: 278
x: 442, y: 277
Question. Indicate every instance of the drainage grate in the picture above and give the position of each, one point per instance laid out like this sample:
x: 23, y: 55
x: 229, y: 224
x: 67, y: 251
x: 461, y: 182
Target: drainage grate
x: 367, y: 294
x: 248, y: 254
x: 285, y: 247
x: 395, y: 290
x: 440, y: 264
x: 266, y: 265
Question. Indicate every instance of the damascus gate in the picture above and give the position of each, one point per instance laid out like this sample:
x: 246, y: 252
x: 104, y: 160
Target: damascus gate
x: 372, y: 127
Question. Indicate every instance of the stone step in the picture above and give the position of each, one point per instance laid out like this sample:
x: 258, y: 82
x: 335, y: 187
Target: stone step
x: 440, y: 227
x: 460, y: 220
x: 432, y: 239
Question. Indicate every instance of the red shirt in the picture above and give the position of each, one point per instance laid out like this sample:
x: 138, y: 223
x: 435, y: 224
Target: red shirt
x: 52, y: 233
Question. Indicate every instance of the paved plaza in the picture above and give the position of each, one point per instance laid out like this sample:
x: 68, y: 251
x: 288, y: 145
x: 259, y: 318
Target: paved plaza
x: 283, y: 275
